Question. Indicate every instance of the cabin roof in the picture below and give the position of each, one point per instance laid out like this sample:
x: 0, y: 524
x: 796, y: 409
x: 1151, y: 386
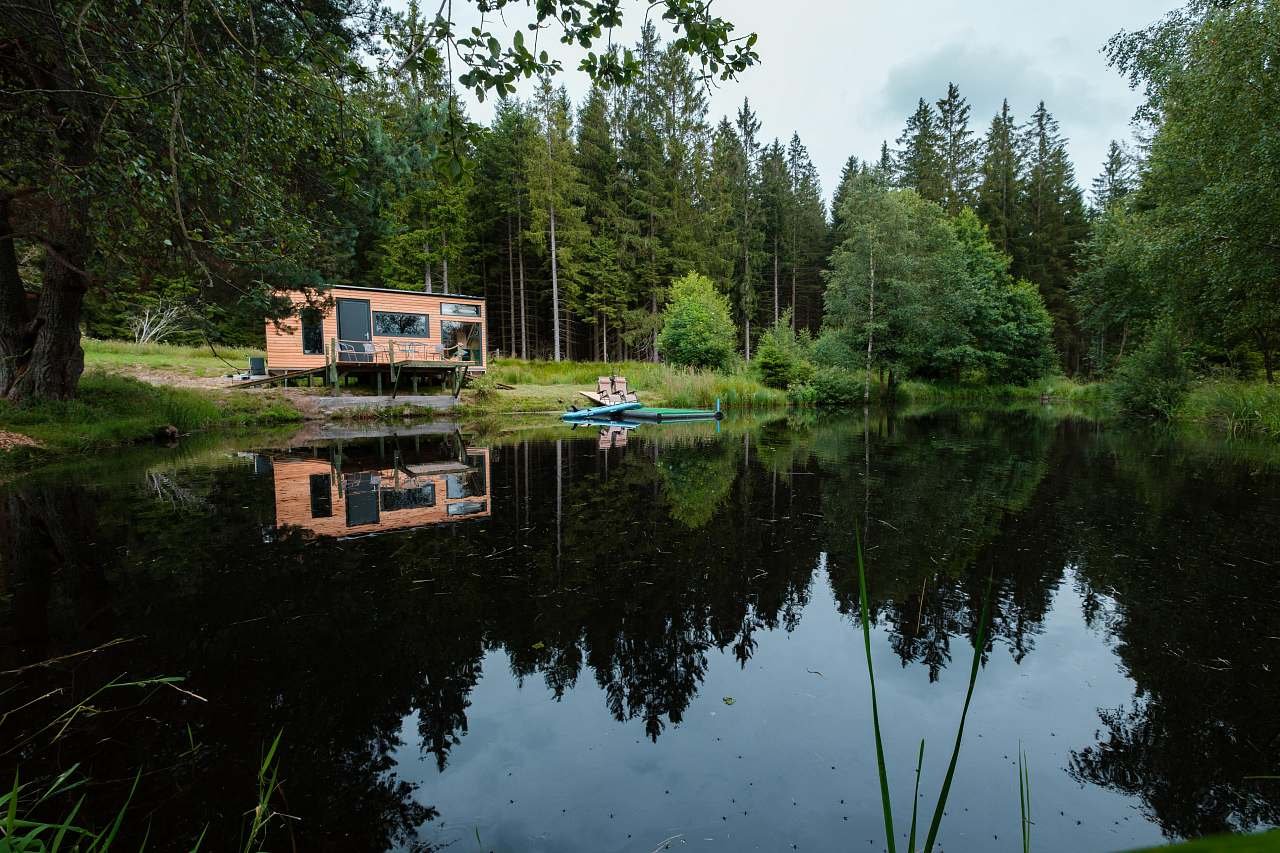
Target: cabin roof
x: 446, y: 296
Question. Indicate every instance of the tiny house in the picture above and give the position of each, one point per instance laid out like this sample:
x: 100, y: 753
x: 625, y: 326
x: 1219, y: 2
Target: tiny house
x: 379, y: 328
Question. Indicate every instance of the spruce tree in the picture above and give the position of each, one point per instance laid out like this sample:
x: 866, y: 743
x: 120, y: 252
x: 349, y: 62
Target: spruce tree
x: 807, y: 227
x: 775, y: 214
x: 1054, y: 223
x: 555, y: 193
x: 959, y: 152
x: 918, y: 159
x: 747, y: 126
x: 1000, y: 184
x: 1116, y: 180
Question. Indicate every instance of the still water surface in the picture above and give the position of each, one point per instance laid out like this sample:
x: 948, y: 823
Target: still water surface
x: 575, y: 641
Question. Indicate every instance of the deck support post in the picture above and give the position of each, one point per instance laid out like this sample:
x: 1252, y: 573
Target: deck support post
x: 378, y: 380
x: 415, y: 386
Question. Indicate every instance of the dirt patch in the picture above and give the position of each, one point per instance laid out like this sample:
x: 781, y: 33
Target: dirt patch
x: 13, y: 440
x: 172, y: 379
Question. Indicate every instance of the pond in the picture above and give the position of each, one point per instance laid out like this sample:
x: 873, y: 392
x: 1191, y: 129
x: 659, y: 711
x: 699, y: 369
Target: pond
x: 576, y: 640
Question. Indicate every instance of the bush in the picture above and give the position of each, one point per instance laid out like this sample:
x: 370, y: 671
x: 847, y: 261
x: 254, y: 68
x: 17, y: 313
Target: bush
x: 836, y: 388
x: 1152, y: 381
x: 782, y: 356
x: 697, y: 328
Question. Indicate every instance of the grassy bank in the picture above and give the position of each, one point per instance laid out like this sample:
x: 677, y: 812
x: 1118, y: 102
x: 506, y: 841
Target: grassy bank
x: 189, y: 361
x: 1054, y: 388
x: 551, y: 386
x: 110, y: 411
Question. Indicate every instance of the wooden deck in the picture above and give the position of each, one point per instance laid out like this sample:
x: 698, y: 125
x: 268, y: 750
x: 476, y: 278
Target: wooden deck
x: 397, y: 364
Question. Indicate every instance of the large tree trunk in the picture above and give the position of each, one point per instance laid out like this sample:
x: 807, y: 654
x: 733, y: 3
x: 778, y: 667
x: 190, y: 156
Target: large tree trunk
x: 16, y: 338
x: 555, y: 292
x: 43, y: 358
x: 524, y: 326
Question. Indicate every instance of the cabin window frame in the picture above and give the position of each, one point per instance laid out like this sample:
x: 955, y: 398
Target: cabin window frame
x: 426, y: 324
x: 459, y: 309
x: 311, y: 326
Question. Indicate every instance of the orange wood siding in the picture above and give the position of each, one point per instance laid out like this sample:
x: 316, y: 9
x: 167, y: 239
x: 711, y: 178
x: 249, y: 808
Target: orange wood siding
x: 284, y: 342
x: 293, y: 499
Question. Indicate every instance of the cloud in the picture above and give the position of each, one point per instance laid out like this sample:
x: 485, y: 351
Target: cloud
x: 1091, y: 109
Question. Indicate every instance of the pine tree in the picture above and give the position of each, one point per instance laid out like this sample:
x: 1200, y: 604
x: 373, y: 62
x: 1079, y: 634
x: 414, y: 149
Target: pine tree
x: 1000, y: 185
x: 853, y: 167
x: 775, y: 205
x: 918, y: 160
x: 959, y: 152
x: 749, y: 226
x: 1116, y: 180
x: 1053, y: 225
x: 555, y: 193
x: 808, y: 225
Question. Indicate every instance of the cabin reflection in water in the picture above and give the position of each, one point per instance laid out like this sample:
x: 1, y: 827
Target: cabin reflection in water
x: 393, y: 483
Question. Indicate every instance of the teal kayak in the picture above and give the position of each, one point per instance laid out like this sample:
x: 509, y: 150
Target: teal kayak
x: 599, y: 411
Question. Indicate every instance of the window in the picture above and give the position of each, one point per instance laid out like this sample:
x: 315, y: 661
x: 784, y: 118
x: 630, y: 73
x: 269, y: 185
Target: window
x: 396, y: 325
x: 321, y: 496
x: 312, y: 332
x: 456, y: 309
x: 416, y: 497
x: 461, y: 340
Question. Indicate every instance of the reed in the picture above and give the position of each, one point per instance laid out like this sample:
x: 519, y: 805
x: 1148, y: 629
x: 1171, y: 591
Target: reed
x: 886, y: 802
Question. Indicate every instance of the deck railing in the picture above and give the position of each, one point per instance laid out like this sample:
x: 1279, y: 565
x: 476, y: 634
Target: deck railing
x: 394, y: 352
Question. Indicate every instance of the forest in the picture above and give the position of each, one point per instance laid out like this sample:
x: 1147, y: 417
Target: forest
x: 187, y: 160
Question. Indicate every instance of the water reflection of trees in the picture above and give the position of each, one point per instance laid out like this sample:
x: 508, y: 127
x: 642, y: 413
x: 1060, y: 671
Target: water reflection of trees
x: 632, y: 569
x: 1192, y: 581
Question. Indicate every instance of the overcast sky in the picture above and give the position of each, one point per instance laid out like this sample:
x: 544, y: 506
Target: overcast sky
x: 845, y: 74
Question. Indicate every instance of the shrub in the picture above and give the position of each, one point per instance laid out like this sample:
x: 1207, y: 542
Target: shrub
x: 1152, y: 381
x: 782, y: 356
x: 697, y: 328
x: 836, y: 388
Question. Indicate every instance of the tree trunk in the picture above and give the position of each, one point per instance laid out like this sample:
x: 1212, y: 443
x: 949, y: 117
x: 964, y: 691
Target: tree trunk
x: 511, y: 286
x: 871, y: 333
x: 775, y: 279
x: 1268, y: 360
x: 426, y: 271
x: 16, y: 338
x: 444, y: 263
x: 524, y: 325
x: 46, y: 356
x: 794, y: 311
x: 555, y: 292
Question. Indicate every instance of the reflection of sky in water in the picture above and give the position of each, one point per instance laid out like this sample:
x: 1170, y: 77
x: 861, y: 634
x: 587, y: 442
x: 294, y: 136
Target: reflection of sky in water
x: 790, y: 726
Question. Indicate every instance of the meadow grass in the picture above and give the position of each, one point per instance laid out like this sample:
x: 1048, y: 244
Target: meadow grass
x: 193, y: 361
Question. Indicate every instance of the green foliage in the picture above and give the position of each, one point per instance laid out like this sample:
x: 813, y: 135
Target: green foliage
x: 1203, y: 221
x: 697, y: 329
x: 833, y: 387
x: 1150, y: 383
x: 782, y: 355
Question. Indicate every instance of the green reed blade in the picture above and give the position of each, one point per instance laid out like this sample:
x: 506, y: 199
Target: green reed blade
x: 885, y: 803
x: 978, y: 646
x: 915, y: 800
x: 1024, y: 797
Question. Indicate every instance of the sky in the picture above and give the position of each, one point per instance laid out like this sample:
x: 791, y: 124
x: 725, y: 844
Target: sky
x: 845, y: 75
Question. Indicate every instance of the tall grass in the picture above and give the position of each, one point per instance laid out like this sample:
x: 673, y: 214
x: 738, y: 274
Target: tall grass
x: 113, y: 410
x: 886, y: 802
x: 1233, y: 407
x: 657, y: 383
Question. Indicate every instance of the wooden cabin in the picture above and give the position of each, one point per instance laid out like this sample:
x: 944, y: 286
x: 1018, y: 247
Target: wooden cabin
x: 345, y: 496
x: 379, y: 330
